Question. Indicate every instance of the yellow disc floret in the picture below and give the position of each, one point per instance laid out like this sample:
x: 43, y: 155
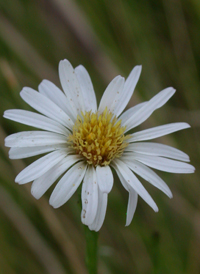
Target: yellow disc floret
x: 98, y: 138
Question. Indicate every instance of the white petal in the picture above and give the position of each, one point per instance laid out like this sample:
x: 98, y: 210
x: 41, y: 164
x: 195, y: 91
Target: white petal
x: 87, y: 89
x: 71, y: 86
x: 35, y: 120
x: 158, y: 150
x: 144, y: 112
x: 132, y: 199
x: 67, y: 185
x: 104, y: 178
x: 39, y: 167
x: 25, y: 152
x: 156, y: 132
x: 89, y: 196
x: 34, y: 138
x: 45, y: 106
x: 128, y: 90
x: 121, y: 178
x: 43, y: 183
x: 147, y: 174
x: 101, y: 211
x: 130, y: 112
x: 52, y: 92
x: 132, y: 204
x: 164, y: 164
x: 133, y: 182
x: 112, y: 95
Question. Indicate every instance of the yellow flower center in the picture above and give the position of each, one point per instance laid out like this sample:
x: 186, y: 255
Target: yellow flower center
x: 98, y: 138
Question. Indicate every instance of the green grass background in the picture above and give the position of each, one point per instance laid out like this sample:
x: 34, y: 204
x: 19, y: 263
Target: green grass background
x: 108, y: 37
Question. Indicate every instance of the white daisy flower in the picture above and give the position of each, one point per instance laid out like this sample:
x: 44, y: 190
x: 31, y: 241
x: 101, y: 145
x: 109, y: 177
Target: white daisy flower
x: 83, y: 142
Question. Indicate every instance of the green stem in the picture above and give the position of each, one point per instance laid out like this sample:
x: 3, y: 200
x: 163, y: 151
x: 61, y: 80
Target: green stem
x: 91, y: 250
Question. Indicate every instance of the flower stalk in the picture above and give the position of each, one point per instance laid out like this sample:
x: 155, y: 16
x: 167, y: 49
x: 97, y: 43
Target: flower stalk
x: 91, y: 250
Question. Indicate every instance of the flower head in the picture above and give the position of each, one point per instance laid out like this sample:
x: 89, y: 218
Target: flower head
x: 99, y: 138
x: 83, y: 142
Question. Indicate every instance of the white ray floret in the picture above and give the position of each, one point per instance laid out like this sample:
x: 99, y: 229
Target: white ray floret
x: 82, y: 142
x: 45, y: 106
x: 44, y: 182
x: 133, y: 183
x: 58, y: 97
x: 39, y: 167
x: 35, y: 120
x: 111, y: 97
x: 104, y: 178
x: 89, y: 196
x: 25, y: 152
x: 129, y: 87
x: 132, y: 204
x: 71, y: 86
x: 101, y: 211
x: 164, y: 164
x: 86, y: 88
x: 67, y: 185
x: 147, y: 109
x: 132, y: 199
x: 155, y: 132
x: 34, y: 138
x: 147, y: 174
x: 156, y: 149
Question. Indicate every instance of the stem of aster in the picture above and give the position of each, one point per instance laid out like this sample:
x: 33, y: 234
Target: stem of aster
x: 91, y: 250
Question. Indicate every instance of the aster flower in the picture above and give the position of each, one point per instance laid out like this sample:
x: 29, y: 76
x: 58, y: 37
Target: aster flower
x: 83, y: 142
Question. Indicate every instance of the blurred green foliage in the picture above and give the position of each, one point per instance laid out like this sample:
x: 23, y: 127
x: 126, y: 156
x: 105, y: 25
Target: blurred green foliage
x: 108, y: 38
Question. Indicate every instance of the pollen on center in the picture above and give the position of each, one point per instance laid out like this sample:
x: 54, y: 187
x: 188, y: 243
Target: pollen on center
x: 98, y: 138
